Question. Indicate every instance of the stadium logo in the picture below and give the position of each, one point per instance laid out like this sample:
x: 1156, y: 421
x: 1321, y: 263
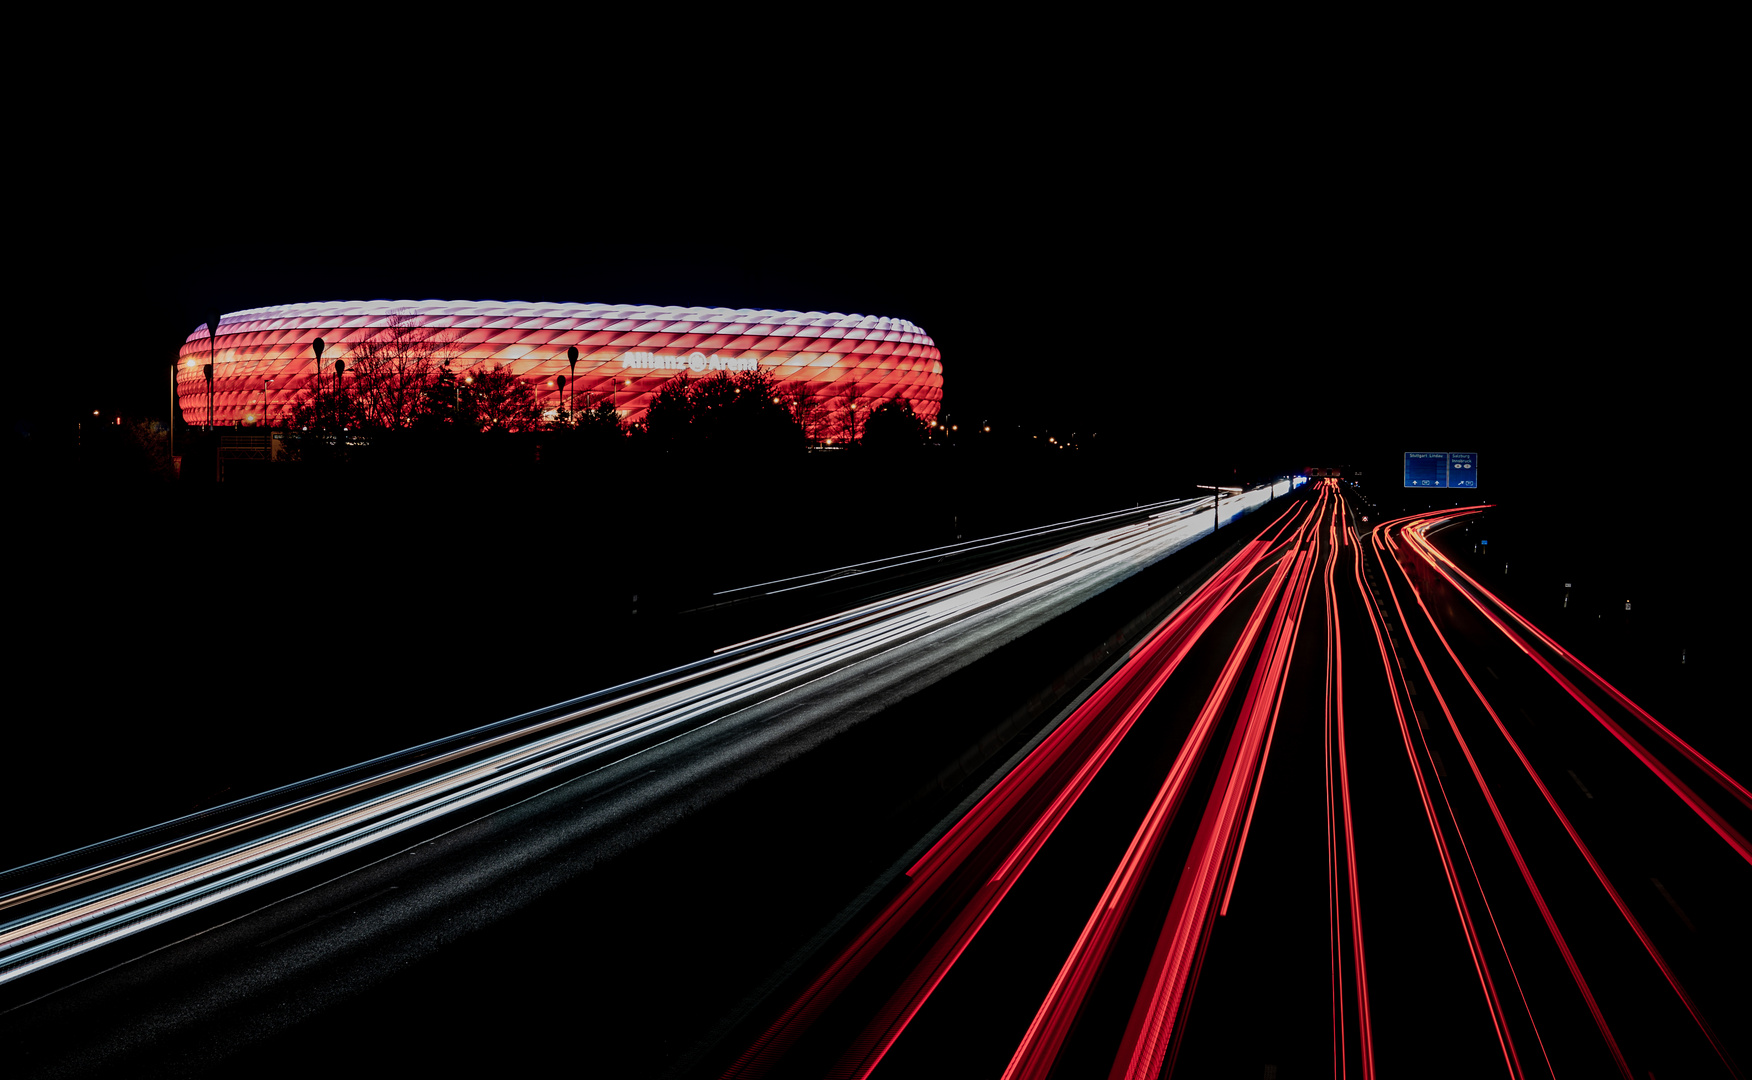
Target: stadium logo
x: 644, y: 361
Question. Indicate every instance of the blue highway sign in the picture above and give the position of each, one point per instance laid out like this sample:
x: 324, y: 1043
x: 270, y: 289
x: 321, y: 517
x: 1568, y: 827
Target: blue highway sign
x: 1427, y: 469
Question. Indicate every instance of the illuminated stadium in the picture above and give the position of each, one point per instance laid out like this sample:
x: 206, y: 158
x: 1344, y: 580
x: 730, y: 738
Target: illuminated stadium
x: 263, y: 359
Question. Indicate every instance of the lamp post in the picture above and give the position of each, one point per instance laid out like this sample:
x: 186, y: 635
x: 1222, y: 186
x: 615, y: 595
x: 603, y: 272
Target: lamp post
x: 207, y: 371
x: 1216, y: 491
x: 316, y: 347
x: 267, y: 425
x: 572, y: 359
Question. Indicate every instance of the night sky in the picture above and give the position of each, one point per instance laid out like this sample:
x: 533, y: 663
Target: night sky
x: 1300, y: 263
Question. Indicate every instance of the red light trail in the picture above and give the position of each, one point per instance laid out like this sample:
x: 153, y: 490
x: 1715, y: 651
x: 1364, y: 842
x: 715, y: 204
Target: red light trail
x: 952, y: 892
x: 985, y: 852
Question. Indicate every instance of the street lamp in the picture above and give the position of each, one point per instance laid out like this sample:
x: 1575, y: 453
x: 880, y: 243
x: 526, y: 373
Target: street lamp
x: 212, y: 359
x: 316, y: 347
x: 572, y: 358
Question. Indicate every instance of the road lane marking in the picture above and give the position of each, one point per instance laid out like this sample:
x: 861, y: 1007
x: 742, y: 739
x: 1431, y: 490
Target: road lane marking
x: 344, y: 909
x: 1578, y: 780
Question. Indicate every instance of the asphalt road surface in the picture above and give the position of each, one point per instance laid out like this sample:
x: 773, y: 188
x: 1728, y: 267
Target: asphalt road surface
x: 1300, y: 798
x: 629, y: 874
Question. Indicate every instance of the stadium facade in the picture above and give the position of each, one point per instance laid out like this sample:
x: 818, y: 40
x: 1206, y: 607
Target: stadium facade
x: 263, y: 360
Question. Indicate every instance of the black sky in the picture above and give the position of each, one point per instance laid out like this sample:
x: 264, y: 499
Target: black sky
x: 1516, y: 252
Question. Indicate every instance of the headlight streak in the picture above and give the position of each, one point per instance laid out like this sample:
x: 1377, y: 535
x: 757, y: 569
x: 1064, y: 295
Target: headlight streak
x: 998, y: 837
x: 1435, y: 559
x: 1174, y: 507
x: 698, y: 693
x: 471, y: 743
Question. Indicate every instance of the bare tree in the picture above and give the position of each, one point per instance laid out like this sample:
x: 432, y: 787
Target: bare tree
x: 848, y: 414
x: 805, y: 406
x: 394, y: 369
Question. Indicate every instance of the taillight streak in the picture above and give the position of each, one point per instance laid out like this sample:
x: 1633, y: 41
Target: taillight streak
x: 1715, y: 772
x: 1390, y: 661
x: 1509, y: 839
x: 1180, y: 944
x: 1051, y: 1026
x: 1593, y: 864
x: 985, y: 842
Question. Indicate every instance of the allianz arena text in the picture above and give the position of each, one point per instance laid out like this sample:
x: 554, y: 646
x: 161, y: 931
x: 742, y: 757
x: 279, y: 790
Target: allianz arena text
x: 263, y: 360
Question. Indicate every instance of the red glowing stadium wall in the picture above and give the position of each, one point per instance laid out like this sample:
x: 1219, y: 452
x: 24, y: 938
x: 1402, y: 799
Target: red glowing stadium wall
x: 263, y: 361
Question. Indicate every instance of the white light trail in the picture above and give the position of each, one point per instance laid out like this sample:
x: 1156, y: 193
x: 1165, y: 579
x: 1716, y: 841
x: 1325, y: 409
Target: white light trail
x: 75, y: 912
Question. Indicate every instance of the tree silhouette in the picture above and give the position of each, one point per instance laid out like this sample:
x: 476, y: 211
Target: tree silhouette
x: 600, y: 425
x: 762, y: 423
x: 893, y: 426
x: 805, y: 406
x: 494, y: 399
x: 395, y: 368
x: 331, y: 407
x: 731, y: 413
x: 669, y: 419
x: 848, y: 414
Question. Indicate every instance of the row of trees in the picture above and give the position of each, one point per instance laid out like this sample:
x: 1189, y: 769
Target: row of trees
x: 752, y: 409
x: 402, y: 379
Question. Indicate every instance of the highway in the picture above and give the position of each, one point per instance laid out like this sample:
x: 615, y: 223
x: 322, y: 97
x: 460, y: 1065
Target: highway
x: 1314, y: 802
x: 168, y: 901
x: 1243, y: 855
